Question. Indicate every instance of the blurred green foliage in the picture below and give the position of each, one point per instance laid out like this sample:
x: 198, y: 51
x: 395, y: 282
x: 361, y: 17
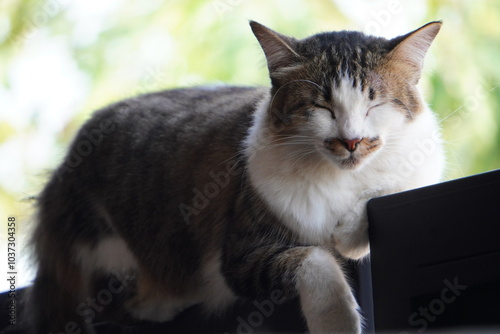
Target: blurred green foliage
x: 61, y: 59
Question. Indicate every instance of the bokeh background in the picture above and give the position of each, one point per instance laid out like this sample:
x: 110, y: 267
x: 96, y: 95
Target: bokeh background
x: 60, y: 60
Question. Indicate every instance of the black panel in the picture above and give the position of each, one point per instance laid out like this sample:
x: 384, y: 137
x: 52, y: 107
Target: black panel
x: 435, y: 256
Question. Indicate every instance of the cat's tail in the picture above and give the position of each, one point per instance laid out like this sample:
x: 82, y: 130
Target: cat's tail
x: 59, y: 287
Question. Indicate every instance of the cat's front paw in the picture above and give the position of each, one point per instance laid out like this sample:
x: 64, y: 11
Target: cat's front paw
x: 351, y: 233
x: 326, y: 298
x: 347, y: 321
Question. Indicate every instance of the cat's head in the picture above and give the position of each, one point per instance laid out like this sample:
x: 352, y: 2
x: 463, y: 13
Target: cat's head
x: 343, y: 93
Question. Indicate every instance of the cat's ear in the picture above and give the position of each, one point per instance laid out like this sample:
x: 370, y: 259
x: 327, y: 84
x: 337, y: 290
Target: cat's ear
x: 410, y: 49
x: 279, y: 49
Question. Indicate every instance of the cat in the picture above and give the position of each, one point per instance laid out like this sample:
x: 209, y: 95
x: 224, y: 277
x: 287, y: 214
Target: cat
x: 205, y: 195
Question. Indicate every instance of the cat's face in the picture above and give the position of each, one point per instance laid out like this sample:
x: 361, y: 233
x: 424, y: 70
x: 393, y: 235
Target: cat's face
x: 352, y: 126
x: 344, y: 94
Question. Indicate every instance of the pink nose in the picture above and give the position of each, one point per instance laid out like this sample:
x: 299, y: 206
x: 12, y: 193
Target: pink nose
x: 351, y: 144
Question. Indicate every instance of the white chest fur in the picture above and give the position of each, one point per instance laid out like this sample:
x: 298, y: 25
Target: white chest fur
x: 309, y: 203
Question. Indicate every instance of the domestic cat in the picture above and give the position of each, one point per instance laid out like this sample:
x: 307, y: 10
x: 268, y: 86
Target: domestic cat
x: 204, y: 195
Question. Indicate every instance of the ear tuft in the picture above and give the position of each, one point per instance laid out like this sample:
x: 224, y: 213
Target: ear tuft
x: 279, y: 49
x: 411, y: 48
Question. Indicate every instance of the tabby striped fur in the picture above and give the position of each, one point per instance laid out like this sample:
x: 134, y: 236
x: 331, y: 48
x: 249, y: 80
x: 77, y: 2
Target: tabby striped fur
x: 205, y: 195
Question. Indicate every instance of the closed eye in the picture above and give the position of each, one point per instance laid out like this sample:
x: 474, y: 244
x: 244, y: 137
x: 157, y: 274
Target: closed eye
x: 371, y: 108
x: 321, y: 106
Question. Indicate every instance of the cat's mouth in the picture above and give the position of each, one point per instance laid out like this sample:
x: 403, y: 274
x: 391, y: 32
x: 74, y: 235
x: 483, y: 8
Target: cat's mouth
x: 350, y: 163
x: 349, y: 154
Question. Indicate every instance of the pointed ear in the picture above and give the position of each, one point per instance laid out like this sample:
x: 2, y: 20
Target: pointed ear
x: 279, y: 49
x: 410, y: 49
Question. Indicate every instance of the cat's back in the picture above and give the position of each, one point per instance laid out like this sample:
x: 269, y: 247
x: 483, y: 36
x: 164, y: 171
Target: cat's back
x: 181, y: 113
x: 155, y: 130
x: 145, y: 155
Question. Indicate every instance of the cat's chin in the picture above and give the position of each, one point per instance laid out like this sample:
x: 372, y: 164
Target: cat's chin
x: 350, y: 163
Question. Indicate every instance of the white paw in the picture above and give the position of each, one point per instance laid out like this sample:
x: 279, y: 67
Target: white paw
x: 326, y: 298
x: 351, y: 233
x: 343, y: 319
x: 157, y: 309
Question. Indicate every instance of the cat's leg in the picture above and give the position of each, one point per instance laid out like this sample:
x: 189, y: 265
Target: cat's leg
x: 311, y: 273
x: 350, y: 236
x: 128, y: 294
x: 326, y: 298
x: 60, y: 284
x: 155, y: 302
x: 120, y: 289
x: 53, y: 301
x: 152, y: 303
x: 88, y: 283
